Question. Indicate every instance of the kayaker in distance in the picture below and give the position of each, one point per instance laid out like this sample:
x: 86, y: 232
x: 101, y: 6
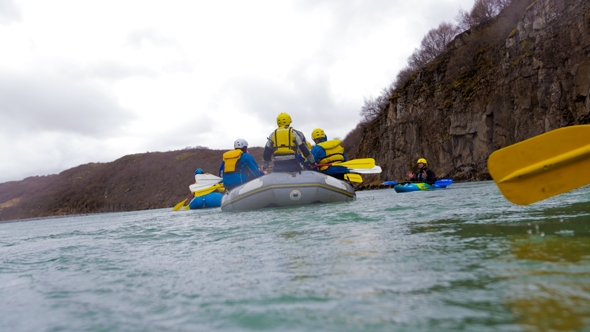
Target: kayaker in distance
x: 238, y: 166
x: 283, y: 145
x: 424, y: 174
x: 327, y: 152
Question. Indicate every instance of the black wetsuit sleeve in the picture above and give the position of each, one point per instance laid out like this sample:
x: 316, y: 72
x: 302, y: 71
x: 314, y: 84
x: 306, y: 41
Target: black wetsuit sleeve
x: 430, y: 176
x: 267, y: 154
x: 304, y: 150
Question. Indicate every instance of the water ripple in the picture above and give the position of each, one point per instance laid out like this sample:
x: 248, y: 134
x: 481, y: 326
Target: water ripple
x: 448, y: 260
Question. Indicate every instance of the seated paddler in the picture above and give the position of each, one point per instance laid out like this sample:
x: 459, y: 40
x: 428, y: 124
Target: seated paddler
x: 327, y: 152
x: 424, y: 174
x: 283, y: 146
x: 238, y: 166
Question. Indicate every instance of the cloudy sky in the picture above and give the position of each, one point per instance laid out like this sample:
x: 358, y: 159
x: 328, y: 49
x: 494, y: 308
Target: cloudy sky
x: 92, y: 81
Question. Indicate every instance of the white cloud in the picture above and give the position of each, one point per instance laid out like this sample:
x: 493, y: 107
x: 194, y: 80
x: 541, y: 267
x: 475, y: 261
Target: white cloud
x: 9, y: 12
x: 92, y: 81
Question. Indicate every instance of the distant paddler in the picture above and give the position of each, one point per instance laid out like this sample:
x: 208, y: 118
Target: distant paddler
x: 424, y: 174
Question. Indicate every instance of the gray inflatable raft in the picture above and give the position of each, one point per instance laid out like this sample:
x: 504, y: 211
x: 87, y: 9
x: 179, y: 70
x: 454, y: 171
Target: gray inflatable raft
x: 287, y: 189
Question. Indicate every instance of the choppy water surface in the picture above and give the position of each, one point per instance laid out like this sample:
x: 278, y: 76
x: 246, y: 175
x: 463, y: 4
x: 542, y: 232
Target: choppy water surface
x: 457, y: 259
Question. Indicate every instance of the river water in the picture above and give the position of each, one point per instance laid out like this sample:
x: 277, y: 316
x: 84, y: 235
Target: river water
x: 460, y: 259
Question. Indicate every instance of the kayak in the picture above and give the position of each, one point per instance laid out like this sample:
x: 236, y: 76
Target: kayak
x: 418, y: 186
x: 287, y: 189
x: 415, y: 186
x: 209, y: 199
x: 206, y: 201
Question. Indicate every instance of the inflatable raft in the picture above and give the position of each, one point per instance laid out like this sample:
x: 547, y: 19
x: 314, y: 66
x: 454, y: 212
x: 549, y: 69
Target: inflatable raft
x: 287, y: 189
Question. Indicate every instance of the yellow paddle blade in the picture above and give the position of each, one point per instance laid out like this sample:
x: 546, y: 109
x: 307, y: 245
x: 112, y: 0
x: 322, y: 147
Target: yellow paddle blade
x: 543, y: 166
x: 209, y: 190
x: 355, y: 178
x: 357, y: 163
x: 179, y: 205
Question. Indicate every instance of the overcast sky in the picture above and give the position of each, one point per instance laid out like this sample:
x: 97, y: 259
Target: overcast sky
x: 92, y: 81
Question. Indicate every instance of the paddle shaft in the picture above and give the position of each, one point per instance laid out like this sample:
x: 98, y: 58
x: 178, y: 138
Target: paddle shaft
x: 179, y: 205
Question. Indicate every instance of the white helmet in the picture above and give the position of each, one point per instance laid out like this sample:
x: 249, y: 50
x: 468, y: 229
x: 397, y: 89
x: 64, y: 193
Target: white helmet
x: 240, y: 143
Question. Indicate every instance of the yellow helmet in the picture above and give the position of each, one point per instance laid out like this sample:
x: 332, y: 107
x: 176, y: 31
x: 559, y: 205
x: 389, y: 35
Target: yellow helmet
x: 422, y: 161
x: 318, y: 133
x: 283, y: 120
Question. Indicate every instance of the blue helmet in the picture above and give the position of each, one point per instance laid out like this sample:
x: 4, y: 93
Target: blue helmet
x: 198, y: 171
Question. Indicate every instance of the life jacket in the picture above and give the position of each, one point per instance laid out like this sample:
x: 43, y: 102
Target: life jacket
x: 420, y: 176
x: 283, y: 141
x: 334, y: 152
x: 230, y: 159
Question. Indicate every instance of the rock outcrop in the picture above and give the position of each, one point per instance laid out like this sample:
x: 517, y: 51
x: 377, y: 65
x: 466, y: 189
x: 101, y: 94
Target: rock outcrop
x: 525, y: 73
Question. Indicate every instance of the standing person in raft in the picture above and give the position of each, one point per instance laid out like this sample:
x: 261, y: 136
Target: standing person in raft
x: 238, y: 166
x: 327, y: 152
x: 424, y: 174
x: 283, y: 145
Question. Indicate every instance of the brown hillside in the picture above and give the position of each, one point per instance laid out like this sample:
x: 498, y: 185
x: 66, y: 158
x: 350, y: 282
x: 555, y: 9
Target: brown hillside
x: 134, y: 182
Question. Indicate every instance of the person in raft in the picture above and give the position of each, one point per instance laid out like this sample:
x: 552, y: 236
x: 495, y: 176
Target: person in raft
x: 283, y: 145
x: 326, y: 152
x: 238, y: 166
x: 424, y: 174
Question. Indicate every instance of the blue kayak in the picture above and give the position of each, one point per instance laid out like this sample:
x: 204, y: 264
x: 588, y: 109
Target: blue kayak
x: 206, y: 201
x: 415, y: 186
x: 418, y: 186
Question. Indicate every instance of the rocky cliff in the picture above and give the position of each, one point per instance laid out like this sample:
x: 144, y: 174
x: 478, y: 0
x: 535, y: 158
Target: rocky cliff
x: 525, y: 73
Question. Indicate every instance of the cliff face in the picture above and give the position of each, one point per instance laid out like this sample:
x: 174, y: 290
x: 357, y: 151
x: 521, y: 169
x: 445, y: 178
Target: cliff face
x: 525, y: 73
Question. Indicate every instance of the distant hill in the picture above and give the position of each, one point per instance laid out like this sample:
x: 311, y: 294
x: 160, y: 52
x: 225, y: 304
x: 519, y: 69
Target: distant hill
x: 135, y: 182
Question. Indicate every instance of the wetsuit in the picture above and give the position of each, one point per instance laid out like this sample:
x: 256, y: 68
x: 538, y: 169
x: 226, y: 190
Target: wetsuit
x: 237, y: 168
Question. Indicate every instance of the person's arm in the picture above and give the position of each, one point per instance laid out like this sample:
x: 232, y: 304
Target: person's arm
x: 251, y: 165
x: 220, y: 173
x: 267, y: 154
x: 430, y: 175
x: 318, y: 153
x: 300, y: 141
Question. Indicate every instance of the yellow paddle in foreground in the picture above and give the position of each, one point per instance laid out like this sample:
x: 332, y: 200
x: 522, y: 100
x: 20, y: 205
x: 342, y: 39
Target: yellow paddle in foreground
x: 543, y: 166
